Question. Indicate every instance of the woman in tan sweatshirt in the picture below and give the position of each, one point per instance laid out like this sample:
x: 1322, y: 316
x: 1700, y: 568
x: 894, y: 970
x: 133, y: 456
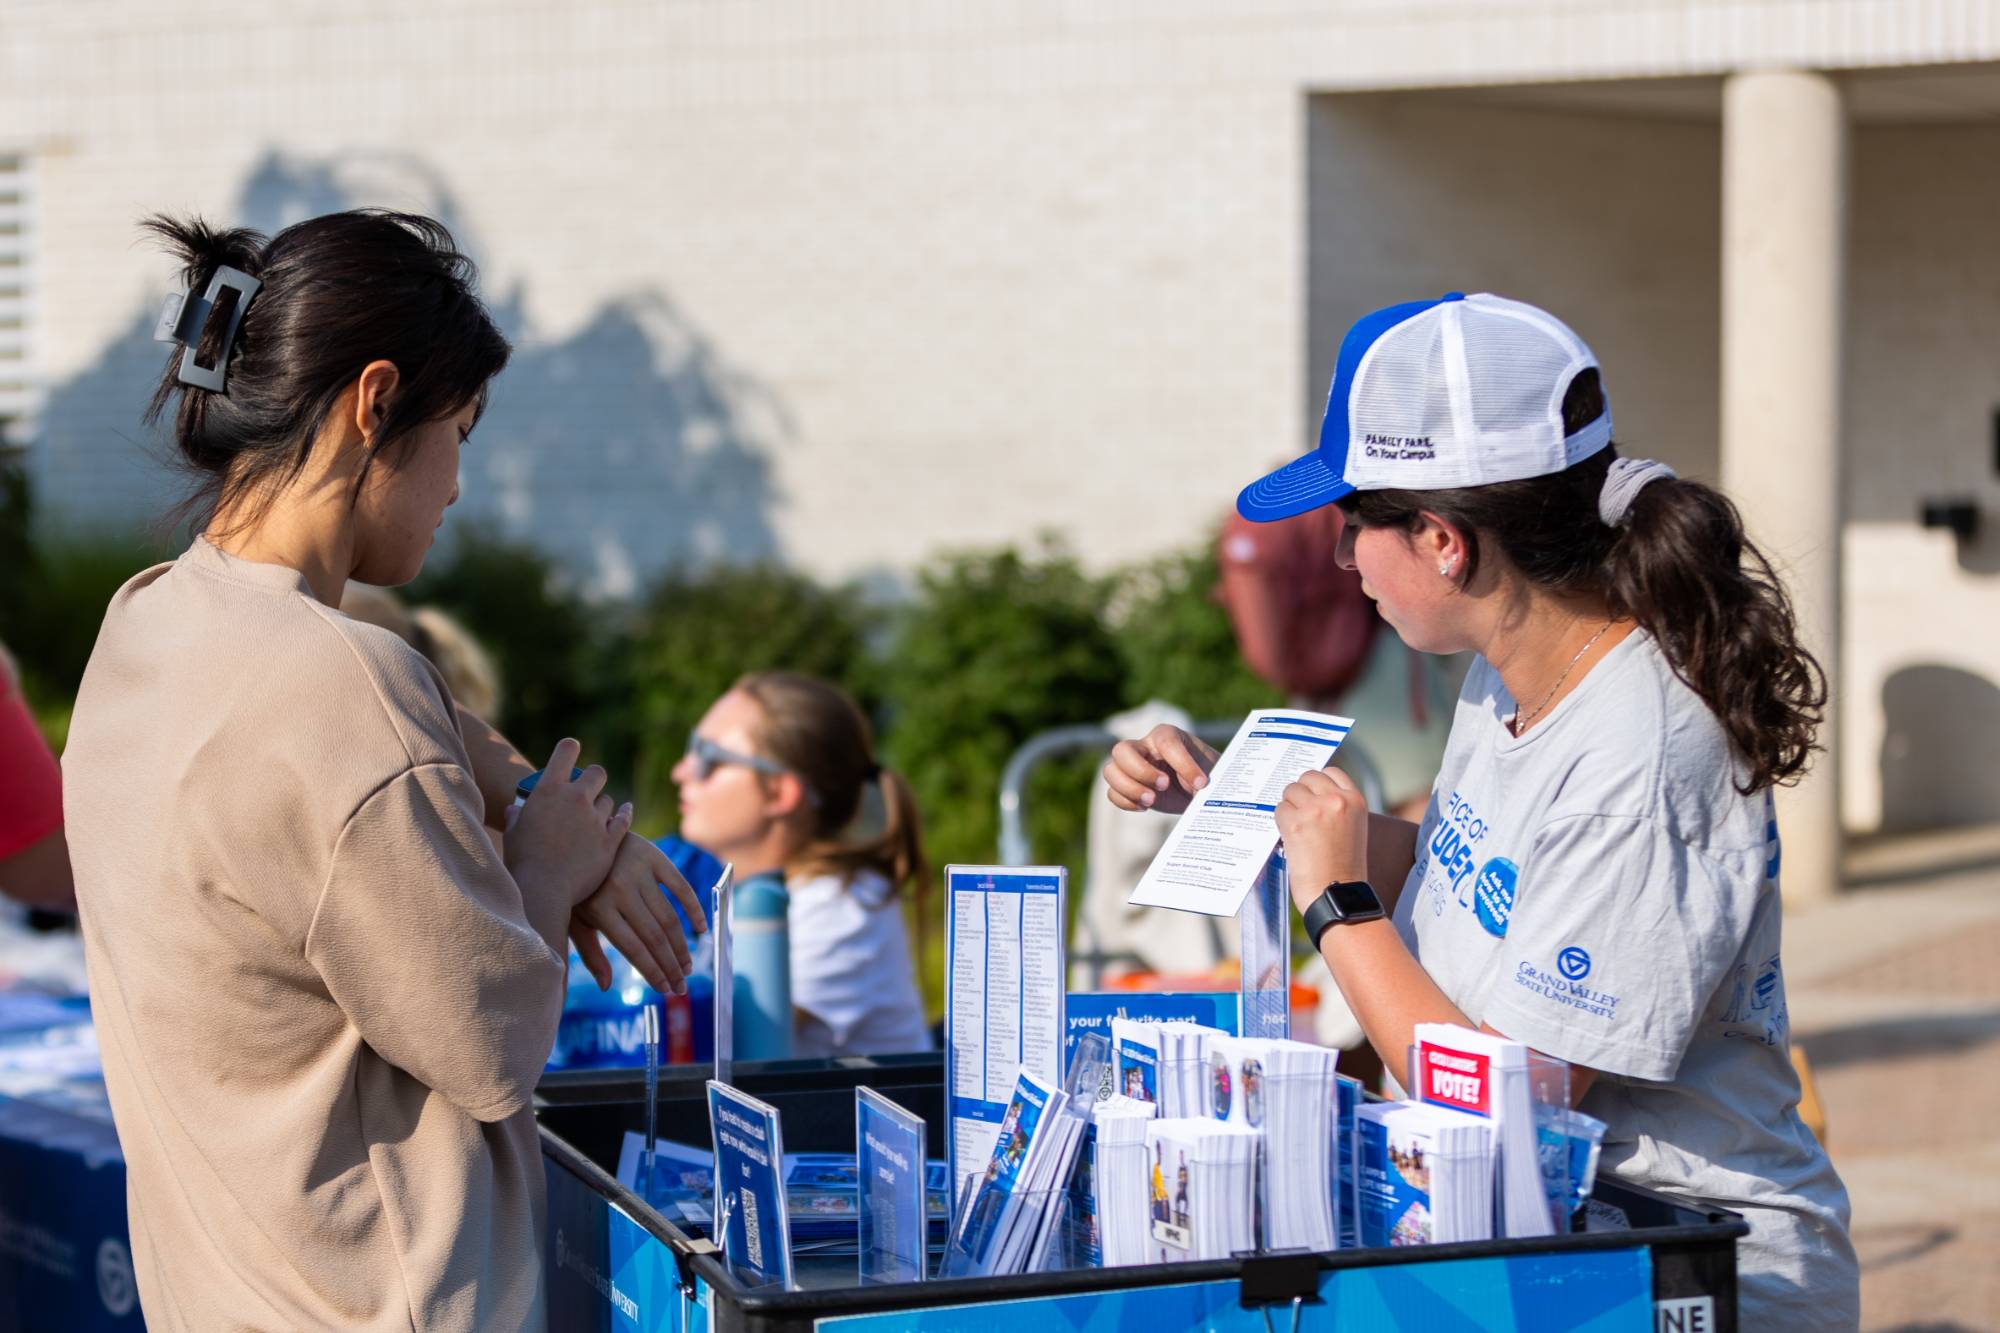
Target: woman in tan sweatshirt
x: 323, y: 993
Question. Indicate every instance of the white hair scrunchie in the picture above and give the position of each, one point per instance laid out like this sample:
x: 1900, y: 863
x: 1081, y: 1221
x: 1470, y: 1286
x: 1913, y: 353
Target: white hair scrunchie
x: 1627, y: 477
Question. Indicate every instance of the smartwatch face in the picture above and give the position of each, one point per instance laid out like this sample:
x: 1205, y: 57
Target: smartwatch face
x: 1354, y: 899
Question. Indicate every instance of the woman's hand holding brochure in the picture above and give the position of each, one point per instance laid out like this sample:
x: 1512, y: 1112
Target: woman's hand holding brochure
x: 1162, y: 770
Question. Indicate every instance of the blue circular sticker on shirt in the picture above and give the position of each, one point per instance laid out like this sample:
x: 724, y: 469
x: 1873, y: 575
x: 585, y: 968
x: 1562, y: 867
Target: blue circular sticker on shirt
x: 1574, y: 963
x: 1493, y: 895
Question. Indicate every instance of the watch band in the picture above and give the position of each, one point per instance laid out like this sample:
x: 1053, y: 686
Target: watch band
x: 1341, y: 901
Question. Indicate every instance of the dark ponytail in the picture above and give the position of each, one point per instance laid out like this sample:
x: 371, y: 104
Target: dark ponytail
x: 1679, y: 564
x: 814, y: 728
x: 338, y: 292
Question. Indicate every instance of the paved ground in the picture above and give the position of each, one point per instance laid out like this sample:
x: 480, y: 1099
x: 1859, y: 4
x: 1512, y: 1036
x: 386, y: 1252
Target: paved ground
x: 1895, y: 998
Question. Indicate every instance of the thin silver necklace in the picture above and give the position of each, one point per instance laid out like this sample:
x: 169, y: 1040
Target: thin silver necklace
x: 1521, y: 720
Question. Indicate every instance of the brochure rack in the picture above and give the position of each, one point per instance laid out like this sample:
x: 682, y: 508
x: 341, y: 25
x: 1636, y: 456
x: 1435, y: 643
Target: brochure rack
x: 615, y: 1264
x: 1264, y: 952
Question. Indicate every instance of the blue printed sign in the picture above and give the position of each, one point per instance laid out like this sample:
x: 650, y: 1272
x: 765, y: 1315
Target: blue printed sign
x: 750, y: 1188
x: 889, y: 1156
x: 1092, y: 1011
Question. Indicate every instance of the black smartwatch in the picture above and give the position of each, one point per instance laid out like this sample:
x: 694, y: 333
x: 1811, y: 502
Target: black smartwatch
x: 1342, y: 900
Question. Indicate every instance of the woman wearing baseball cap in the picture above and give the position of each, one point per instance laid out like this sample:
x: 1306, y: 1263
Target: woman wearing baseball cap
x: 1597, y: 872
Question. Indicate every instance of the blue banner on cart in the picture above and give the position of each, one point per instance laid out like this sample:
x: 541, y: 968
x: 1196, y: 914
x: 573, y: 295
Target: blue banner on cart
x: 605, y: 1272
x: 65, y: 1261
x: 1598, y: 1291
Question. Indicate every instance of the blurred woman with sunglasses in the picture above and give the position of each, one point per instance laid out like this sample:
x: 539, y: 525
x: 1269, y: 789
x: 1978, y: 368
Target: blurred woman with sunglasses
x: 777, y: 779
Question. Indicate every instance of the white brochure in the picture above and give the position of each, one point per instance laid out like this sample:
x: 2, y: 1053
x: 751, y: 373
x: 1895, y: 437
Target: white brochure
x: 1004, y: 997
x: 1219, y: 847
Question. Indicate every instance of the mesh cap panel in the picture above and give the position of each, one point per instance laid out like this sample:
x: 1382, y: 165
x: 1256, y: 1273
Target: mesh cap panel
x: 1519, y: 373
x: 1401, y: 408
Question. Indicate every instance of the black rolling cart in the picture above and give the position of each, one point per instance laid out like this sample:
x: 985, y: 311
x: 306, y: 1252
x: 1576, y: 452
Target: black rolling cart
x: 617, y: 1265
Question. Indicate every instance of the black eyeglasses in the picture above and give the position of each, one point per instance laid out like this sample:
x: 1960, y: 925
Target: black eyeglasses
x: 708, y: 756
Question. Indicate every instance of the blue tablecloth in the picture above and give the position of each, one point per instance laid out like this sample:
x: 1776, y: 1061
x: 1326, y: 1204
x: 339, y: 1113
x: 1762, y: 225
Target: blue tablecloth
x: 65, y: 1255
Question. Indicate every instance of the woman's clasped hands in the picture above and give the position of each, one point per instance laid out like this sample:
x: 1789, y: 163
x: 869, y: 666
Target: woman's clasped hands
x: 567, y: 837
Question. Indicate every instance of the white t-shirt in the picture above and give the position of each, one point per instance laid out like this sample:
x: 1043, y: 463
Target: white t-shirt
x: 1599, y: 889
x: 852, y: 982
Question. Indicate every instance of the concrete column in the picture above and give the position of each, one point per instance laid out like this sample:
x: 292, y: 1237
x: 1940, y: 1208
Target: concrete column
x: 1784, y: 222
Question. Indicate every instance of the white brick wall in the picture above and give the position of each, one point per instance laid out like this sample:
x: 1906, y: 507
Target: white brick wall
x: 972, y: 269
x: 967, y: 280
x: 1611, y: 222
x: 852, y: 280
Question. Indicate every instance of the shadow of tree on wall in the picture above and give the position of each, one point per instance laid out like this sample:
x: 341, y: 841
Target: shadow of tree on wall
x: 627, y: 446
x: 93, y: 464
x: 1937, y: 761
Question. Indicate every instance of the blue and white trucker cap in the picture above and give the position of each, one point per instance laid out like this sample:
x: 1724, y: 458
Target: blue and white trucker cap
x: 1432, y: 395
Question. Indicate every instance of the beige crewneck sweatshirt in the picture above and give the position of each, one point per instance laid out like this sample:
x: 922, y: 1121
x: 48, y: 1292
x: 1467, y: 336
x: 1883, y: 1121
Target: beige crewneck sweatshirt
x: 322, y: 1000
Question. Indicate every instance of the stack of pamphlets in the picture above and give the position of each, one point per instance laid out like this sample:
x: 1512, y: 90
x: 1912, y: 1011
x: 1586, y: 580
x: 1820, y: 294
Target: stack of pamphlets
x: 1088, y: 1079
x: 1201, y: 1185
x: 1284, y: 1092
x: 1348, y: 1097
x: 1164, y: 1063
x: 1006, y: 1214
x: 1122, y: 1180
x: 1426, y: 1175
x: 1135, y: 1056
x: 821, y: 1190
x: 1518, y: 1090
x: 1184, y: 1067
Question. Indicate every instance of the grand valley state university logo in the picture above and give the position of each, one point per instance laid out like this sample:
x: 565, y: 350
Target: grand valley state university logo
x: 1566, y: 984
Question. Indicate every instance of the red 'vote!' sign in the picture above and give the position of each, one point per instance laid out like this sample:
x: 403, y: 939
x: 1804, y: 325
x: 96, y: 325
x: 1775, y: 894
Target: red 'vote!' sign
x: 1455, y: 1078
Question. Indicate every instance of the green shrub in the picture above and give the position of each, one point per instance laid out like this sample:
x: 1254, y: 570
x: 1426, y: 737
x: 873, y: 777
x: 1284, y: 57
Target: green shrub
x: 17, y: 552
x: 543, y: 637
x: 696, y: 632
x: 1177, y: 642
x: 994, y: 648
x: 60, y: 608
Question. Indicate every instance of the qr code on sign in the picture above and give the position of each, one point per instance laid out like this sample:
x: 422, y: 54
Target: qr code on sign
x: 753, y: 1235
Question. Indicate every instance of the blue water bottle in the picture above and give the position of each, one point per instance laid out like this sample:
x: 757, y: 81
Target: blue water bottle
x: 760, y: 958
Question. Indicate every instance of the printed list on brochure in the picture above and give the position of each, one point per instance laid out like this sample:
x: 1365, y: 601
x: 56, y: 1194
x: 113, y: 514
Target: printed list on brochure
x: 1006, y: 979
x: 1219, y: 847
